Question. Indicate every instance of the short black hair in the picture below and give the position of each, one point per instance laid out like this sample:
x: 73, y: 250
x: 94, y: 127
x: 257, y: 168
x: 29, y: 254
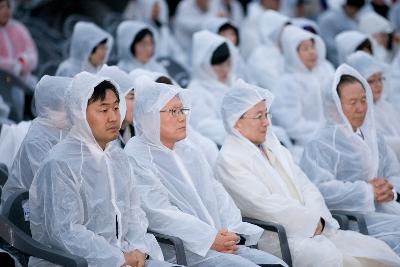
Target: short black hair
x: 164, y: 79
x: 356, y: 3
x: 103, y: 42
x: 366, y: 44
x: 221, y: 54
x: 139, y: 37
x: 99, y: 91
x: 229, y: 26
x: 346, y: 79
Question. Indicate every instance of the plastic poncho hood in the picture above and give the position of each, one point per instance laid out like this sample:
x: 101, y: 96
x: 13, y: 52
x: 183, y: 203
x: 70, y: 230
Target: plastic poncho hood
x: 347, y: 42
x: 271, y: 25
x: 85, y: 37
x: 82, y: 88
x: 292, y: 37
x: 365, y: 64
x: 240, y: 99
x: 336, y: 118
x: 124, y: 81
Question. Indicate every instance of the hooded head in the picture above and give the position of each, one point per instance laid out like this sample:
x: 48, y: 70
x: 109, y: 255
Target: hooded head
x: 129, y: 34
x: 205, y: 44
x: 348, y: 42
x: 371, y: 70
x: 242, y: 99
x: 337, y: 109
x: 126, y: 83
x: 147, y: 7
x: 271, y: 25
x: 85, y: 37
x: 151, y: 100
x: 372, y: 22
x: 302, y: 50
x: 222, y: 26
x: 77, y: 102
x: 49, y: 96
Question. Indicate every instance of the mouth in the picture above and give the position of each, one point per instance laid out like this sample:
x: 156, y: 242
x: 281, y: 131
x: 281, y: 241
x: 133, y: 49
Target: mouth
x: 113, y: 129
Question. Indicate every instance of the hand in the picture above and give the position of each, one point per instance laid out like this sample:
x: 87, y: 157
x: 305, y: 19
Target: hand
x: 134, y: 258
x: 382, y: 190
x: 225, y: 242
x: 319, y: 229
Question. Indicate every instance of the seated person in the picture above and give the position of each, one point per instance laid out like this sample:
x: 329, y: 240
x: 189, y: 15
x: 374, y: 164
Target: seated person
x: 47, y: 129
x: 179, y: 192
x: 125, y: 83
x: 89, y: 49
x: 350, y: 163
x: 83, y: 199
x: 136, y: 47
x: 265, y: 182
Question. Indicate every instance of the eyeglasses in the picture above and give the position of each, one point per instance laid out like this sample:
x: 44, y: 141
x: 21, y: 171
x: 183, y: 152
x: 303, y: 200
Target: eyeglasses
x: 175, y: 112
x: 260, y: 116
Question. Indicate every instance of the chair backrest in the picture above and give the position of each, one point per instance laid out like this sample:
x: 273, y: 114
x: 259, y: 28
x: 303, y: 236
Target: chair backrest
x: 175, y: 70
x: 16, y: 210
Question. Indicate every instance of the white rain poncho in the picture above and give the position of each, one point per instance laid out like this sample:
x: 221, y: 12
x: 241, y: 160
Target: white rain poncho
x: 206, y: 88
x: 85, y: 37
x: 347, y: 43
x: 167, y: 45
x: 179, y: 192
x: 332, y: 23
x: 48, y: 129
x: 386, y: 115
x: 394, y: 76
x: 213, y: 24
x: 298, y: 103
x: 266, y: 62
x: 206, y: 145
x: 188, y: 20
x: 83, y: 199
x: 341, y: 163
x: 126, y: 34
x: 235, y: 13
x: 371, y: 24
x: 260, y: 190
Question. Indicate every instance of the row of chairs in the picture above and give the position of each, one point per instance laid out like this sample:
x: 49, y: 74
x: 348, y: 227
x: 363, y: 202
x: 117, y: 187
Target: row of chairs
x: 15, y: 231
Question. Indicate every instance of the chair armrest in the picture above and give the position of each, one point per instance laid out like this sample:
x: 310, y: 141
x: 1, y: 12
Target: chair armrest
x: 342, y: 220
x: 21, y: 241
x: 280, y: 230
x: 174, y: 241
x: 354, y: 216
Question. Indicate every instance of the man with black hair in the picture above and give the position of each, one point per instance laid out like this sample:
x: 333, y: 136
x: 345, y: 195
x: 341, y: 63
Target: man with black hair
x: 83, y: 199
x: 336, y: 20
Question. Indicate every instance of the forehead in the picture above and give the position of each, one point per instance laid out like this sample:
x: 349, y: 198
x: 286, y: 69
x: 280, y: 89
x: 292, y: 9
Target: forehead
x: 110, y: 98
x: 352, y: 90
x: 259, y: 107
x: 375, y: 75
x: 174, y: 102
x: 305, y: 43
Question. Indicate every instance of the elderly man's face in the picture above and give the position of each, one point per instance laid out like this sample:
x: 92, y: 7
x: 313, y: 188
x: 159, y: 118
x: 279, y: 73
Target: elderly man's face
x: 354, y: 103
x: 253, y: 124
x: 103, y: 118
x: 172, y: 123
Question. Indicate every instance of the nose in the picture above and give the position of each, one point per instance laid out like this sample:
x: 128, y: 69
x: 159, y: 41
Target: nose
x: 113, y: 116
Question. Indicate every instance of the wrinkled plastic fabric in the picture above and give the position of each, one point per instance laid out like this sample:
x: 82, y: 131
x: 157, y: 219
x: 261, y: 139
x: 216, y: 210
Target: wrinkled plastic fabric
x: 294, y: 202
x: 298, y: 104
x: 206, y: 88
x: 122, y: 78
x: 16, y: 43
x: 85, y: 37
x: 126, y: 34
x: 180, y: 194
x: 266, y: 73
x: 341, y: 163
x: 46, y: 130
x: 84, y: 199
x: 347, y: 42
x: 385, y: 112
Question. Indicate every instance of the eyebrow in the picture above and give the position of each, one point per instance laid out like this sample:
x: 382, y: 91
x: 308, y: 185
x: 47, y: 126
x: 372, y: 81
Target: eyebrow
x: 107, y: 104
